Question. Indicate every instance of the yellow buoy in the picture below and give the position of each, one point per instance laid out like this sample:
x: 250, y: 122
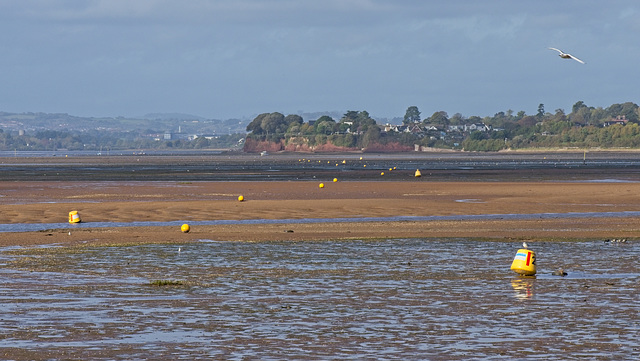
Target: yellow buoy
x: 525, y: 262
x: 321, y: 185
x: 74, y: 217
x: 335, y: 180
x: 418, y: 174
x: 240, y: 198
x: 185, y: 228
x: 381, y: 173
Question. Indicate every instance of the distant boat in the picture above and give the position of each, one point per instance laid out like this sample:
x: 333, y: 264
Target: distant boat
x: 263, y: 153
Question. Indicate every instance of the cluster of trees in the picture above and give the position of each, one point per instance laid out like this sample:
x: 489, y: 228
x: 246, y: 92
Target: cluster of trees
x: 356, y: 129
x: 584, y: 127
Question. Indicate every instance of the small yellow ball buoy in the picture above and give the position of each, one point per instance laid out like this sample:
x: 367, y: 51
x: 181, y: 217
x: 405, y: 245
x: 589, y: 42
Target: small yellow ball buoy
x: 335, y: 180
x: 321, y: 185
x: 240, y: 198
x: 381, y: 173
x: 360, y: 158
x: 418, y: 174
x: 185, y: 228
x: 365, y: 165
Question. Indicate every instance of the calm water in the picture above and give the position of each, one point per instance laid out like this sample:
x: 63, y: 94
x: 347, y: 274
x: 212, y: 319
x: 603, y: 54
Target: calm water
x: 413, y: 299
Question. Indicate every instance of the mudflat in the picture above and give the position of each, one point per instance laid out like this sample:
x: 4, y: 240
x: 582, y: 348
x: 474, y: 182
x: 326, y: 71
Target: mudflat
x: 599, y: 206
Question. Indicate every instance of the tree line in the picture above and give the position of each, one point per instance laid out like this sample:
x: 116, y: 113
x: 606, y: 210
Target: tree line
x: 585, y: 127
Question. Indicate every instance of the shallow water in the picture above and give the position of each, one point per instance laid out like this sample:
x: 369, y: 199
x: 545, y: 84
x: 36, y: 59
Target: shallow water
x: 34, y: 227
x: 436, y: 299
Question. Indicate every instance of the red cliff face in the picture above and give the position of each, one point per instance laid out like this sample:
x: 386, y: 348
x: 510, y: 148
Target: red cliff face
x: 257, y: 146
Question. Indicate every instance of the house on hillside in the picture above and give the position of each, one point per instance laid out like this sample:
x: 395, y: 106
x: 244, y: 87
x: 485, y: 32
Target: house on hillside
x: 620, y: 119
x: 391, y: 128
x: 480, y: 127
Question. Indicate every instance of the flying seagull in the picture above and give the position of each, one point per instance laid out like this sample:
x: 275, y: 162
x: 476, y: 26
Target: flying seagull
x: 564, y: 55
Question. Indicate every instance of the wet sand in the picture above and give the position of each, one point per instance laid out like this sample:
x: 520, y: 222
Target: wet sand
x: 122, y: 201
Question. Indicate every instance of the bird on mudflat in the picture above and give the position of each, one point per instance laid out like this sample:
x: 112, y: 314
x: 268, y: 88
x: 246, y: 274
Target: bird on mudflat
x: 564, y: 55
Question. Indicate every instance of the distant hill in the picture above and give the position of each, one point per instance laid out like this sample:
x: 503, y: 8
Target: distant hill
x: 172, y: 116
x: 154, y: 122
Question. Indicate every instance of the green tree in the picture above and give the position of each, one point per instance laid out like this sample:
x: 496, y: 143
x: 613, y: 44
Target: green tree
x: 293, y: 118
x: 577, y: 106
x: 272, y: 122
x: 441, y: 118
x: 255, y: 126
x: 411, y: 116
x: 540, y: 113
x: 325, y: 126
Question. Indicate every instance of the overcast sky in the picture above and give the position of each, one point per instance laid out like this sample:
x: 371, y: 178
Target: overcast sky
x: 238, y: 58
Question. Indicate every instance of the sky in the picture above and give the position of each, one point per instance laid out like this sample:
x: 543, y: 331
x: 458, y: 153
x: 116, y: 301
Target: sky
x: 223, y: 59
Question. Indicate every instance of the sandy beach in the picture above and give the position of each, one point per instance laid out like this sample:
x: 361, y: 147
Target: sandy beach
x: 121, y: 201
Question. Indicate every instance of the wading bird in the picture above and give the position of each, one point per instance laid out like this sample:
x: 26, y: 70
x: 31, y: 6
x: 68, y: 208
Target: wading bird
x: 564, y: 55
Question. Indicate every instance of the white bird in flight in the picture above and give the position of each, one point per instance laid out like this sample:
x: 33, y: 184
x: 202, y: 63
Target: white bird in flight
x: 564, y: 55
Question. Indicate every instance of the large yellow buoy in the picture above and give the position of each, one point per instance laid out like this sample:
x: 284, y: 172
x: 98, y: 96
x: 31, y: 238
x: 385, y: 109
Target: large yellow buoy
x: 524, y: 262
x: 74, y: 217
x: 240, y: 198
x: 185, y: 228
x: 418, y: 174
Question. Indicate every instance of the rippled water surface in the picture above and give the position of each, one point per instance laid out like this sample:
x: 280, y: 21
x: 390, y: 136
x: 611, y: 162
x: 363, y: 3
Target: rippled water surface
x: 410, y: 299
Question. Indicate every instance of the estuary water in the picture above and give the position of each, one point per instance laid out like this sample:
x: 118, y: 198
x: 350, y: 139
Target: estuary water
x: 395, y: 299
